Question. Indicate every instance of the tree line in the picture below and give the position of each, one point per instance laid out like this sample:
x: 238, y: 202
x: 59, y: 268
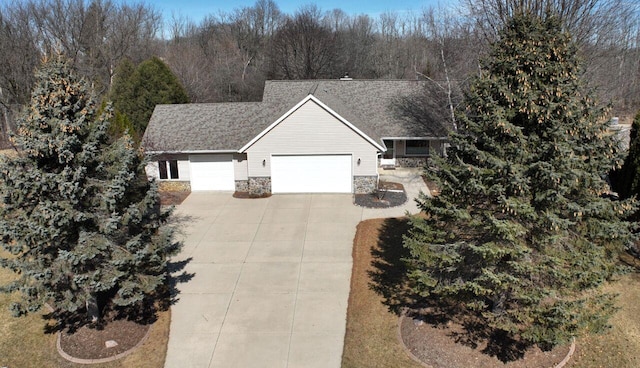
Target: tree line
x: 228, y: 56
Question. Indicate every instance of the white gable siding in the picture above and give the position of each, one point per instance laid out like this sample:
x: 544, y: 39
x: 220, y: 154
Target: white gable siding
x: 311, y: 130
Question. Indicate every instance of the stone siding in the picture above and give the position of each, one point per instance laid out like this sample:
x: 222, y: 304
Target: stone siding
x: 411, y: 161
x: 365, y: 184
x: 259, y: 185
x: 242, y: 186
x: 174, y: 186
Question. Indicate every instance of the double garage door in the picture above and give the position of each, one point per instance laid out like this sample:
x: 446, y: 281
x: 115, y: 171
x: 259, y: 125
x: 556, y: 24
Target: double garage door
x: 311, y: 174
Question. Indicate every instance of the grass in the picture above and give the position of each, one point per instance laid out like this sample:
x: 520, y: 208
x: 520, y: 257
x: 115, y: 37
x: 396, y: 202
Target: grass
x: 372, y: 334
x: 619, y: 346
x: 23, y: 342
x: 371, y: 340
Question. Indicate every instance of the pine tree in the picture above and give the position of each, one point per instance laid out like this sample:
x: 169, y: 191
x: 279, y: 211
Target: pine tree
x: 79, y: 218
x: 136, y: 92
x: 521, y: 236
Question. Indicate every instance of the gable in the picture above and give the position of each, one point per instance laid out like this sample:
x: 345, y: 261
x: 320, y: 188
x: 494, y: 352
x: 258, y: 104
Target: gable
x: 313, y: 123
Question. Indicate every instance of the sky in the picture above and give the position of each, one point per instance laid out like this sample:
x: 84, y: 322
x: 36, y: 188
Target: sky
x: 198, y: 9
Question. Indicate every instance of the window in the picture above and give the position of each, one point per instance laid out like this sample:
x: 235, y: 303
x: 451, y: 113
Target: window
x: 417, y: 147
x: 168, y: 168
x: 173, y: 168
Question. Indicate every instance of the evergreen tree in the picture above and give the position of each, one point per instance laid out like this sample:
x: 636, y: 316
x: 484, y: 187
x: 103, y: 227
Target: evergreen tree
x: 121, y: 95
x: 626, y: 180
x: 521, y: 235
x: 136, y: 92
x: 79, y: 218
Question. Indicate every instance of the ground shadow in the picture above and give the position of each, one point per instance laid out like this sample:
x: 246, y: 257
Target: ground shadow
x: 144, y: 312
x: 389, y: 273
x: 388, y: 278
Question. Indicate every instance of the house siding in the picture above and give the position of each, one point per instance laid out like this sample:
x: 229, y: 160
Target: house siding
x: 240, y: 166
x: 183, y: 166
x: 311, y: 130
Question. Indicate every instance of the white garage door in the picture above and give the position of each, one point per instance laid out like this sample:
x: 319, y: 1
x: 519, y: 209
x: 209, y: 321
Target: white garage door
x: 211, y: 172
x: 311, y: 174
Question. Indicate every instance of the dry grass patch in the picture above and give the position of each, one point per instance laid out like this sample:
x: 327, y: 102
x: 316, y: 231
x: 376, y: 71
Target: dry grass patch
x: 372, y: 322
x: 620, y: 346
x: 23, y: 342
x: 372, y: 330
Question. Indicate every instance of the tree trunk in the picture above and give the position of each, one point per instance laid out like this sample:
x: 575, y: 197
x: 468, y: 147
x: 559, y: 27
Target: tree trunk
x: 93, y: 312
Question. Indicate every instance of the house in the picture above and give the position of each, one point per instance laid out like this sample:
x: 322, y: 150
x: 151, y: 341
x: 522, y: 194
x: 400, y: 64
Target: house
x: 310, y: 136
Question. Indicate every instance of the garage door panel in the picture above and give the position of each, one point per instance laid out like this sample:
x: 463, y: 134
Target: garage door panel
x: 311, y: 174
x: 212, y: 172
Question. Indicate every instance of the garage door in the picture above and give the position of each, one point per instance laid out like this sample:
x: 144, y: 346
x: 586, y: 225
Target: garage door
x: 311, y: 174
x: 211, y: 172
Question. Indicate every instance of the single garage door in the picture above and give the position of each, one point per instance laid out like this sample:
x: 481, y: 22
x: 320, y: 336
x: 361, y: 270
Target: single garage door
x: 311, y: 174
x: 211, y: 172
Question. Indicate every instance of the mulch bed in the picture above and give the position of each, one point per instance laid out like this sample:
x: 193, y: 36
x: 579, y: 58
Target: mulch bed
x: 89, y: 343
x: 437, y: 347
x: 247, y: 195
x: 168, y: 198
x: 389, y: 195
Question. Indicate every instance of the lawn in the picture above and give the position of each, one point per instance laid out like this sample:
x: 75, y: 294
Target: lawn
x: 24, y: 344
x: 372, y: 323
x: 372, y: 330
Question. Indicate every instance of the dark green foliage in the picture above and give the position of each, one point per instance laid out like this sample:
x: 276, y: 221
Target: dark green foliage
x: 78, y: 216
x: 521, y: 235
x: 137, y: 91
x: 626, y: 180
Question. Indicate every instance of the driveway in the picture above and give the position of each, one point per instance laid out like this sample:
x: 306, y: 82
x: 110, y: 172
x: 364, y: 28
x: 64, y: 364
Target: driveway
x: 271, y: 280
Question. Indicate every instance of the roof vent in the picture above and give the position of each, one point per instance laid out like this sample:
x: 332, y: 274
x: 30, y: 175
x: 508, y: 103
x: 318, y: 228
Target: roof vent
x: 346, y: 77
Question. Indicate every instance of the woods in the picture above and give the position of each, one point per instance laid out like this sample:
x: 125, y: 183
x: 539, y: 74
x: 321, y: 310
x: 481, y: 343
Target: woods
x: 228, y: 56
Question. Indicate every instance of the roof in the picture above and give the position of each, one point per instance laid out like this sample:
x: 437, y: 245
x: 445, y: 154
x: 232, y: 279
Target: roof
x: 369, y: 105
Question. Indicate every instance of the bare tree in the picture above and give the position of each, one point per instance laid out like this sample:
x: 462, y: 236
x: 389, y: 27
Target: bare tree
x: 303, y: 48
x: 604, y: 30
x: 19, y: 55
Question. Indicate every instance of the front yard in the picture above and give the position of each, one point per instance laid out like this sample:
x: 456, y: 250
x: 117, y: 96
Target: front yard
x: 372, y: 338
x: 23, y: 342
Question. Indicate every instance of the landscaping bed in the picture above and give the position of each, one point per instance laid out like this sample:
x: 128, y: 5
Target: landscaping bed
x: 247, y: 195
x: 173, y: 198
x: 389, y: 194
x: 378, y: 296
x: 24, y: 342
x: 91, y: 343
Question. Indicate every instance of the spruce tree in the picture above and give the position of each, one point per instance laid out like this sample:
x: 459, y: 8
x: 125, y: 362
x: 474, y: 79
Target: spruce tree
x: 521, y: 236
x: 79, y: 219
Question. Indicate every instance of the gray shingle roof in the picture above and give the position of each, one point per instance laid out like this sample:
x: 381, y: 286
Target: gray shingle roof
x: 367, y: 104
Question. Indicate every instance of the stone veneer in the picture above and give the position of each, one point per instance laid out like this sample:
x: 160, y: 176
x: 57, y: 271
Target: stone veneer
x: 259, y: 185
x: 365, y: 184
x: 174, y: 186
x: 411, y: 161
x: 242, y: 186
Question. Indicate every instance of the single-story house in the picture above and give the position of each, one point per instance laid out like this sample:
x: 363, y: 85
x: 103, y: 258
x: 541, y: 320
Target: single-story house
x: 310, y: 136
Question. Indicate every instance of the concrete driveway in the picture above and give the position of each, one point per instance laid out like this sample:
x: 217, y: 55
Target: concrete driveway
x: 271, y: 279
